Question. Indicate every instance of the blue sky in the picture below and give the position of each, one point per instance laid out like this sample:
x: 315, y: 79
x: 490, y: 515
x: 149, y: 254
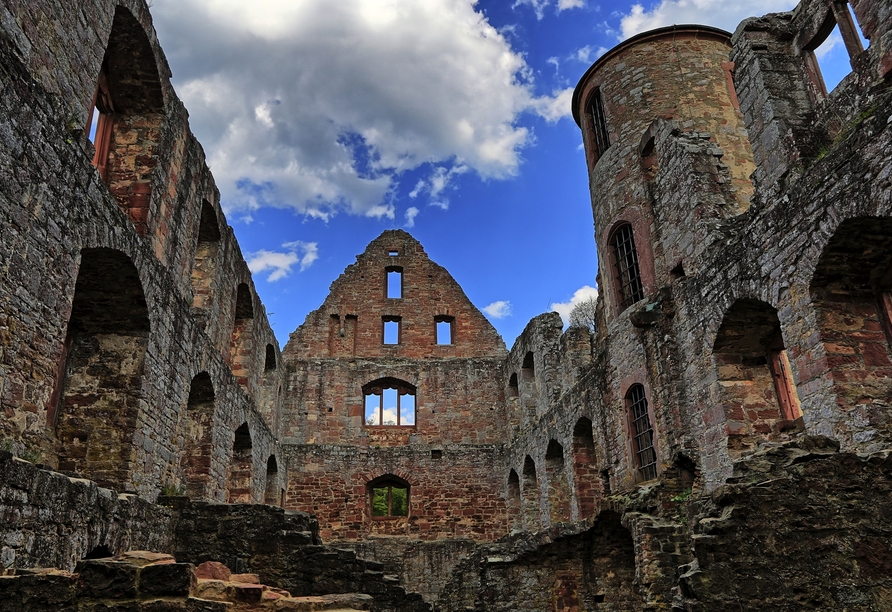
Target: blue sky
x: 326, y: 122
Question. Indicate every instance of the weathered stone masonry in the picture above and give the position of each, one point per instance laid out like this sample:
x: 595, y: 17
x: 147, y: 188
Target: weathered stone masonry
x: 719, y: 442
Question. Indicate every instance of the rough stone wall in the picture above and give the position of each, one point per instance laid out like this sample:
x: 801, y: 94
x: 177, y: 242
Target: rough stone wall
x: 564, y: 572
x: 453, y: 493
x: 428, y: 292
x: 52, y: 520
x: 798, y: 527
x: 447, y: 454
x: 58, y: 212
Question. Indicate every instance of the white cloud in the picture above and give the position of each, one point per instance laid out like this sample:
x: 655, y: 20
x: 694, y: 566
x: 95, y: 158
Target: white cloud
x: 718, y: 13
x: 320, y: 106
x: 557, y: 107
x: 583, y: 293
x: 499, y: 309
x: 539, y: 5
x: 309, y: 250
x: 832, y: 42
x: 411, y: 213
x: 279, y: 263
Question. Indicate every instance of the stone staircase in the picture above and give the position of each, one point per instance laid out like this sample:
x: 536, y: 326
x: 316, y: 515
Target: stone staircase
x: 155, y: 582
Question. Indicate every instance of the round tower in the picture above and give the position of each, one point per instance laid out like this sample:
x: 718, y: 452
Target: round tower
x: 645, y: 107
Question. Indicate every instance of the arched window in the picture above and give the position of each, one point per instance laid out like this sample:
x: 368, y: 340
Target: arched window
x: 642, y: 433
x: 204, y: 267
x: 271, y: 491
x: 558, y: 487
x: 530, y: 496
x: 126, y: 117
x: 240, y: 471
x: 388, y: 497
x: 629, y: 288
x: 755, y: 383
x: 198, y: 448
x: 99, y: 391
x: 241, y: 355
x: 600, y: 139
x: 270, y: 362
x: 389, y: 402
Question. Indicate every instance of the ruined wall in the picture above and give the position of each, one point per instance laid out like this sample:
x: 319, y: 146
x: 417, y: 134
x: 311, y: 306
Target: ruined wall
x: 799, y: 527
x: 80, y: 246
x: 452, y: 492
x: 340, y: 435
x: 52, y: 520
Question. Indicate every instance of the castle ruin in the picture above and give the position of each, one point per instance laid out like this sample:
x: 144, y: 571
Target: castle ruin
x: 720, y: 441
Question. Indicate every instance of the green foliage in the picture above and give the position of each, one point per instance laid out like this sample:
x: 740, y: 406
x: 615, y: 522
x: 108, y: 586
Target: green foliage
x: 379, y: 502
x: 398, y: 497
x: 34, y: 456
x: 6, y: 445
x: 172, y: 490
x: 681, y: 497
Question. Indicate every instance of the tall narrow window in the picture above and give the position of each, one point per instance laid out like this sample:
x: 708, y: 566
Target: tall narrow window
x: 444, y: 330
x: 642, y: 433
x: 394, y: 289
x: 628, y: 274
x: 599, y: 123
x: 389, y: 497
x: 389, y: 403
x: 391, y: 334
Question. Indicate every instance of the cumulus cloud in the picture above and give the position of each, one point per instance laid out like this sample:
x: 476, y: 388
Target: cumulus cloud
x: 499, y: 309
x: 718, y: 13
x: 320, y: 106
x: 309, y: 252
x: 279, y: 264
x: 411, y: 213
x: 555, y: 108
x: 580, y: 295
x: 539, y: 6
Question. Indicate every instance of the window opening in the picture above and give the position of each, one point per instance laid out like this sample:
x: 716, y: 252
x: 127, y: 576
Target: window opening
x: 444, y: 330
x: 394, y: 283
x: 391, y: 330
x: 599, y: 123
x: 839, y: 41
x: 642, y: 433
x: 270, y: 363
x: 628, y: 273
x: 393, y: 253
x: 513, y: 390
x: 390, y: 403
x: 241, y: 468
x: 389, y: 498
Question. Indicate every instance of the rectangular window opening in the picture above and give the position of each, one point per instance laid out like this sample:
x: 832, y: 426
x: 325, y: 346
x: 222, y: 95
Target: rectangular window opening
x: 373, y: 410
x: 393, y: 253
x: 407, y: 409
x: 444, y: 332
x: 394, y: 284
x: 391, y: 331
x: 390, y: 407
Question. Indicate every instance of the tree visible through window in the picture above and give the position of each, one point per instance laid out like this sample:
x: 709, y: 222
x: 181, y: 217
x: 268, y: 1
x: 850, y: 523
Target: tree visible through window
x: 389, y: 497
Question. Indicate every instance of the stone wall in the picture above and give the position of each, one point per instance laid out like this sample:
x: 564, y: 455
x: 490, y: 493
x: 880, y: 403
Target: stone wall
x: 121, y: 273
x: 52, y: 520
